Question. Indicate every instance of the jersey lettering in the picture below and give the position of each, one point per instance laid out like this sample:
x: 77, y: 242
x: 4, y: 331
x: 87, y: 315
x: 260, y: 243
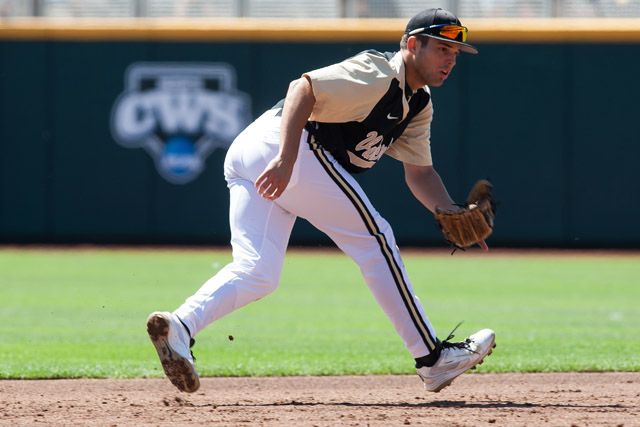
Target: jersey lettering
x: 369, y: 150
x: 372, y: 146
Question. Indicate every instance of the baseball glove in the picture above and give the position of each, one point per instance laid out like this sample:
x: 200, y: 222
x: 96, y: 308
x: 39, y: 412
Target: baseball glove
x: 473, y: 222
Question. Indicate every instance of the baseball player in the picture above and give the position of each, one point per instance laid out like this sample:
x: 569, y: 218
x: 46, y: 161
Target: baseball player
x: 297, y: 160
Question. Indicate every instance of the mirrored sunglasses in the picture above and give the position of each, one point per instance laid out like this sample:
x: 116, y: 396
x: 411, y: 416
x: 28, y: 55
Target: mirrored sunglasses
x: 448, y: 31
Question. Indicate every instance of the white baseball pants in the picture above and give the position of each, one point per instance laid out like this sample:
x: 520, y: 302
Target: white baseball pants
x: 323, y: 193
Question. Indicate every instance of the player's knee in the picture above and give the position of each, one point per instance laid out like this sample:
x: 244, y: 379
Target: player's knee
x: 261, y: 284
x: 259, y: 280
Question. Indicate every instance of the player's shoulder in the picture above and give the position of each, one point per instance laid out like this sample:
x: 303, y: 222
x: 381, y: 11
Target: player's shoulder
x: 386, y: 62
x: 376, y: 55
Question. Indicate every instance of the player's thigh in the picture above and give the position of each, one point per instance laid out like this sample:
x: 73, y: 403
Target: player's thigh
x: 254, y: 148
x: 260, y: 229
x: 335, y: 203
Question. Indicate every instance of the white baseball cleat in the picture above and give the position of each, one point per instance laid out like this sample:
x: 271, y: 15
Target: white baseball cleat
x: 456, y: 358
x: 172, y: 343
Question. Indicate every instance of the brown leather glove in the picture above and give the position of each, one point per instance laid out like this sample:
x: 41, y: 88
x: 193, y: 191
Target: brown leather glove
x: 473, y: 222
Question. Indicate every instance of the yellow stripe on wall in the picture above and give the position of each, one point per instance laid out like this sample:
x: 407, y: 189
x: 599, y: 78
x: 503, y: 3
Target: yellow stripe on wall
x: 481, y: 30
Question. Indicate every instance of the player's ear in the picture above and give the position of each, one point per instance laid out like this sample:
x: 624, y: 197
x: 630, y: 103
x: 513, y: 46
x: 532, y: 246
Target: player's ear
x: 413, y: 44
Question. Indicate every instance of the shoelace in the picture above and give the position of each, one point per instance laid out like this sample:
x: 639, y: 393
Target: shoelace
x: 463, y: 345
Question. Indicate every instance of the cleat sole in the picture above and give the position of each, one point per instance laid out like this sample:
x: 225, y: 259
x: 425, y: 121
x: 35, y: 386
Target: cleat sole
x: 179, y: 371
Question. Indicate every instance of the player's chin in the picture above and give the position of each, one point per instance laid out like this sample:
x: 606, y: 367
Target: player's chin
x: 436, y: 82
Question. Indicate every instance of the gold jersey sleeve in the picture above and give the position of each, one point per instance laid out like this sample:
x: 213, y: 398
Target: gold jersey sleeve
x: 348, y: 91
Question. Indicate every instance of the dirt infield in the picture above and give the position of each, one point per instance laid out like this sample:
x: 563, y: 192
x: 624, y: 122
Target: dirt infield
x: 571, y: 399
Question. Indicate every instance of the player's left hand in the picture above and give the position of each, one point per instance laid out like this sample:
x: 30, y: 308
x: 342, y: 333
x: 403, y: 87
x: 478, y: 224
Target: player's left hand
x: 472, y: 222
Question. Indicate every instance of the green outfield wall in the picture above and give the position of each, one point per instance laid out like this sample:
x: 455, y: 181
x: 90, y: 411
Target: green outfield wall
x: 116, y: 131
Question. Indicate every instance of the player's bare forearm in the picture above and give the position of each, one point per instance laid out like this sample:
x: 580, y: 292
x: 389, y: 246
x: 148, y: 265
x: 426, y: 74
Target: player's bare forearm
x: 427, y: 186
x: 297, y: 108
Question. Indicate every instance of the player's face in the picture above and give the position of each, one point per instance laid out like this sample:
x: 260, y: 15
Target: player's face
x: 435, y: 60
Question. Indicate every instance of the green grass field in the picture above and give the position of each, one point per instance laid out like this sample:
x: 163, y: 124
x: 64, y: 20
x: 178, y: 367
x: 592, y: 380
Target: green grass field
x: 81, y: 313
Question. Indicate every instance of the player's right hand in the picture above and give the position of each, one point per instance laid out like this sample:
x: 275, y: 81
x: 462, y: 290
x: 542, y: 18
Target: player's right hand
x: 274, y: 179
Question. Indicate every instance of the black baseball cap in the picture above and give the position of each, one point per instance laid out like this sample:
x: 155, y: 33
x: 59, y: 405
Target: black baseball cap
x: 442, y: 25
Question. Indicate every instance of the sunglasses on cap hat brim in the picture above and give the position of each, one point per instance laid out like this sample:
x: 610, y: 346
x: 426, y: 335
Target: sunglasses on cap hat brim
x: 447, y: 32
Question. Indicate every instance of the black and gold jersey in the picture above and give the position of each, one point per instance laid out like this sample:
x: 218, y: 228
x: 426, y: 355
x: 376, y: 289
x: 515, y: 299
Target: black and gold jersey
x: 364, y: 108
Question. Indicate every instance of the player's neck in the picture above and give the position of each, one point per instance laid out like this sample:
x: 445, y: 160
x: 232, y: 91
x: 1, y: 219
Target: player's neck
x: 412, y: 77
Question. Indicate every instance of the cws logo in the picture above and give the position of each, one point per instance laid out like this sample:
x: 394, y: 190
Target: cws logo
x: 179, y: 113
